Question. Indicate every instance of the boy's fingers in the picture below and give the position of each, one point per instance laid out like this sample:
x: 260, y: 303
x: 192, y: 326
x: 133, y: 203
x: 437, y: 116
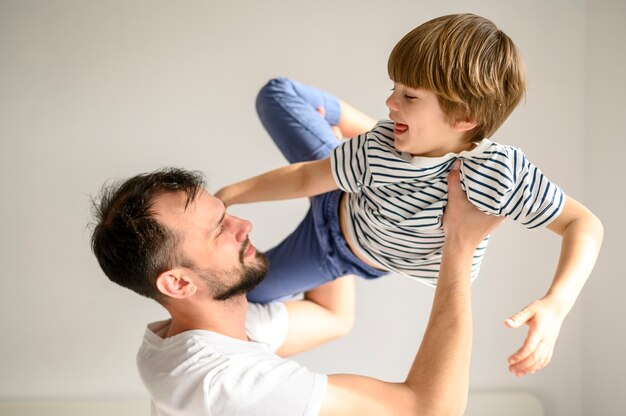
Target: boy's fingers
x: 530, y: 345
x: 532, y: 362
x: 454, y: 180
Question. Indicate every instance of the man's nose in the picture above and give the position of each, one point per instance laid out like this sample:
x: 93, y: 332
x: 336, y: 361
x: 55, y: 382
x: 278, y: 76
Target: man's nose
x: 243, y: 228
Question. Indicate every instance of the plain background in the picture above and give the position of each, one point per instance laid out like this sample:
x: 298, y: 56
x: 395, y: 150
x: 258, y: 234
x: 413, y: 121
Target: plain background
x: 94, y: 90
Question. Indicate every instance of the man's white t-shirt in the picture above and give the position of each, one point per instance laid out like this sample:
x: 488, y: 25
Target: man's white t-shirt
x: 202, y: 373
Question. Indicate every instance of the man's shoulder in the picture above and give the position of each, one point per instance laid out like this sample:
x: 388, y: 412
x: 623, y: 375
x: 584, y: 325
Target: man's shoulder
x: 267, y: 323
x: 199, y: 370
x: 199, y: 356
x: 266, y: 328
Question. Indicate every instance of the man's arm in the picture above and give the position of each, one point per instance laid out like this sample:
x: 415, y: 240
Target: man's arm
x: 437, y: 382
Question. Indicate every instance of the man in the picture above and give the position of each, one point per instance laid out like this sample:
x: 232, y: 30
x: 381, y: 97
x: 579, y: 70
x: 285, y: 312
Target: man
x: 164, y: 236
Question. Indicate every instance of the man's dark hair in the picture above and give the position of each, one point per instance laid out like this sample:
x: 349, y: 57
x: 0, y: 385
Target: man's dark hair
x: 130, y: 245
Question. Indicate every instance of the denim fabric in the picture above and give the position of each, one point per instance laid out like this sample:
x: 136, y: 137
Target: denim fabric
x: 316, y: 252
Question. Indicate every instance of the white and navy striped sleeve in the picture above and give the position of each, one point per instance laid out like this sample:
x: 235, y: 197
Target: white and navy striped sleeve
x: 352, y: 161
x: 503, y: 182
x: 349, y: 164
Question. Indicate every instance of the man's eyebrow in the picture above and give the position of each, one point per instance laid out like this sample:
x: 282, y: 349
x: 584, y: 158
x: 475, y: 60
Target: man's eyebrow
x: 217, y: 225
x: 222, y: 218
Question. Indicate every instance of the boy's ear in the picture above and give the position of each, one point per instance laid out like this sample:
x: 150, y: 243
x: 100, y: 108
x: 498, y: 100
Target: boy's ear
x: 175, y: 284
x: 465, y: 124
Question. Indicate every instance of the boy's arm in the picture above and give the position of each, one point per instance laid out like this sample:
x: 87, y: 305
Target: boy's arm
x: 299, y: 179
x: 582, y: 234
x: 293, y: 181
x: 353, y: 122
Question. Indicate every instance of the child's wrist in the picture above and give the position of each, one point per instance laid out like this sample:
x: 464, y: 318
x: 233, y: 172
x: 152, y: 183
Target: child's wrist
x: 222, y: 195
x: 562, y: 302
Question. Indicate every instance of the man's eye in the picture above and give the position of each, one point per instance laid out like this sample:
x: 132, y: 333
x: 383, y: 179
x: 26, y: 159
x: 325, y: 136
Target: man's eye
x: 219, y: 231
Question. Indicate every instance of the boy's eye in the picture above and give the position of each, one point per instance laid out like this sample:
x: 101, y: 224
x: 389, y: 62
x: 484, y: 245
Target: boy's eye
x: 409, y: 97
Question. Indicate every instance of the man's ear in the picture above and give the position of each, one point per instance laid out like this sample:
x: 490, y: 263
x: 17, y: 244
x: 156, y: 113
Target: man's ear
x: 464, y: 124
x: 175, y: 284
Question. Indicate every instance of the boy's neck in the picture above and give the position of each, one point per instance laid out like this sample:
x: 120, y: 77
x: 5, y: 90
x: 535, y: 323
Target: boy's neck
x: 462, y: 147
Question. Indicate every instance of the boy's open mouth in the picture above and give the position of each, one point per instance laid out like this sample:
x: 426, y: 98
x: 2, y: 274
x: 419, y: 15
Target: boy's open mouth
x: 400, y: 128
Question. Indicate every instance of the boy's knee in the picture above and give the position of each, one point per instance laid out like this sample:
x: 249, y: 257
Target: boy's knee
x: 274, y: 88
x: 271, y: 93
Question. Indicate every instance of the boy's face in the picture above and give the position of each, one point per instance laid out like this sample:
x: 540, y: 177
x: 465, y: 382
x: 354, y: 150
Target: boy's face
x: 421, y: 126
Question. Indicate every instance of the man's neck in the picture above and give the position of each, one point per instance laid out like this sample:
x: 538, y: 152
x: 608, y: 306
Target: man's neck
x: 224, y: 317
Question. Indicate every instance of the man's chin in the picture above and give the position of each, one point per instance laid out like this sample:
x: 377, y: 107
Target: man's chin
x: 252, y: 275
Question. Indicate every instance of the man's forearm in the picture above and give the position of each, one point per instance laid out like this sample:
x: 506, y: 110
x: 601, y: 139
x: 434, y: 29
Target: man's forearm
x: 438, y: 381
x: 440, y: 372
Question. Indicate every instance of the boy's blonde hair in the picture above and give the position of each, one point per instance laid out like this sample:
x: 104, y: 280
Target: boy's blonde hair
x: 473, y: 67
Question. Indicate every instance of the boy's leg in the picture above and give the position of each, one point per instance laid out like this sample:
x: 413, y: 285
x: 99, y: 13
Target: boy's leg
x: 294, y: 265
x: 289, y: 112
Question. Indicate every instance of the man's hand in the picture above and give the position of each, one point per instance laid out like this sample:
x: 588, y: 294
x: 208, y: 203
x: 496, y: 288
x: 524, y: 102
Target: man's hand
x: 544, y: 319
x: 462, y: 221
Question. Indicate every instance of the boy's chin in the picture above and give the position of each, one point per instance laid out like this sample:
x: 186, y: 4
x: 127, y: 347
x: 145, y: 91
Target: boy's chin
x: 402, y: 145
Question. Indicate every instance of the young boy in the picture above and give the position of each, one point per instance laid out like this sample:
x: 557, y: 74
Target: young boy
x: 456, y: 79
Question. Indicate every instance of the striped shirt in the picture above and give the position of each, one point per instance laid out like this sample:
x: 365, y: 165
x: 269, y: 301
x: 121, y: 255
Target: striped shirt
x: 395, y: 201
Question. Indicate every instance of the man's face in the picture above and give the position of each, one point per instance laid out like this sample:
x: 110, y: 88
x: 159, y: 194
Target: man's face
x: 215, y: 243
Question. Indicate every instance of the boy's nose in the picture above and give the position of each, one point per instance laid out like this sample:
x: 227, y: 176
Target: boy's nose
x: 391, y: 103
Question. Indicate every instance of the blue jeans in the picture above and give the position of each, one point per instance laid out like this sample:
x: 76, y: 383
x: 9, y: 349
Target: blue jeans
x: 316, y: 252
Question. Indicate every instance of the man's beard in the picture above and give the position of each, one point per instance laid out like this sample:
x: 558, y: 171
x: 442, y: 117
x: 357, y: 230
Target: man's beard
x: 249, y: 277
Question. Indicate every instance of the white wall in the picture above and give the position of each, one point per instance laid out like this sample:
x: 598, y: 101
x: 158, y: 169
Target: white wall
x: 97, y: 90
x: 604, y: 385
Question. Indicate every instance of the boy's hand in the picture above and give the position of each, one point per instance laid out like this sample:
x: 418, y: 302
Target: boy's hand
x: 544, y: 321
x: 221, y: 195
